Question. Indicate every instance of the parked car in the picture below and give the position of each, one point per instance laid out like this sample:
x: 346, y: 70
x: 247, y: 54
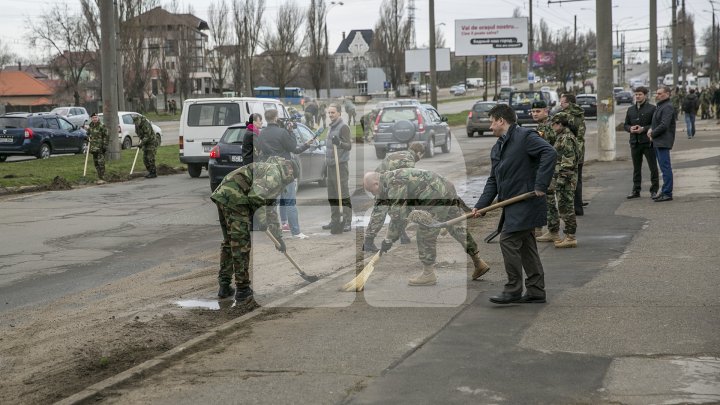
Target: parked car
x: 77, y: 116
x: 635, y: 83
x: 396, y: 127
x: 455, y: 86
x: 226, y: 156
x: 460, y: 91
x: 39, y: 135
x: 588, y: 102
x: 617, y: 90
x: 406, y: 101
x: 126, y: 129
x: 624, y: 97
x: 521, y: 102
x: 478, y: 119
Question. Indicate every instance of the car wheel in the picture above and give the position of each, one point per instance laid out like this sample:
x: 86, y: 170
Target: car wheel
x: 3, y: 158
x: 430, y: 147
x: 127, y: 143
x: 380, y: 153
x: 447, y: 145
x: 194, y: 169
x: 471, y: 134
x: 44, y: 151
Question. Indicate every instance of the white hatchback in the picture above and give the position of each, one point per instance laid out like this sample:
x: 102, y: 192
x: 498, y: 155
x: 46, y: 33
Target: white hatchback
x: 126, y: 129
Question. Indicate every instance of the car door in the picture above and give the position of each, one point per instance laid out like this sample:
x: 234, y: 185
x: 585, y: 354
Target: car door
x: 308, y: 164
x: 73, y: 139
x: 58, y: 140
x: 128, y: 127
x: 437, y: 126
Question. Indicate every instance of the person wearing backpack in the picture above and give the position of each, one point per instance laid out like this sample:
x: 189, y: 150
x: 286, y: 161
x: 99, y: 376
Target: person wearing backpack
x: 690, y: 106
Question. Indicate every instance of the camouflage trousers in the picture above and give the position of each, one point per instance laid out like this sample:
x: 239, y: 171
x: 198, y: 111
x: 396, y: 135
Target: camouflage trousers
x: 561, y: 205
x: 149, y: 159
x: 99, y: 161
x: 427, y: 237
x: 377, y: 218
x: 235, y: 247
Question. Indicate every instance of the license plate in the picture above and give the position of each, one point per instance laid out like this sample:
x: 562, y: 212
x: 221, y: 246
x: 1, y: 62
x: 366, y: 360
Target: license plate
x: 585, y: 106
x: 396, y: 146
x: 236, y: 158
x: 207, y: 147
x: 7, y: 140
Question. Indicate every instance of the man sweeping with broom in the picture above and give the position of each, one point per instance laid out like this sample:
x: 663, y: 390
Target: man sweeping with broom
x: 408, y: 189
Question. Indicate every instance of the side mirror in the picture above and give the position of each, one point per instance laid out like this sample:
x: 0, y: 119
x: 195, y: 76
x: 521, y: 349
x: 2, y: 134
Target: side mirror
x: 443, y: 119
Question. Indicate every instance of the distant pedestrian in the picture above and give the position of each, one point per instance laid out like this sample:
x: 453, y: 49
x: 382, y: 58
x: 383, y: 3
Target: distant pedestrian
x: 148, y: 143
x: 690, y: 106
x: 338, y: 138
x: 350, y: 110
x: 638, y: 121
x: 521, y: 161
x: 311, y: 111
x: 239, y: 196
x: 99, y: 141
x: 662, y: 135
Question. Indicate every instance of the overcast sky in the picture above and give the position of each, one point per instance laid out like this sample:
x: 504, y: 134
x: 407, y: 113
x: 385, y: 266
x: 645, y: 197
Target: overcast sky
x: 362, y: 14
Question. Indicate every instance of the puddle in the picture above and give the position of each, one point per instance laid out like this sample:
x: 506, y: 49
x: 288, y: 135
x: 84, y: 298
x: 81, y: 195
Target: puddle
x: 201, y: 304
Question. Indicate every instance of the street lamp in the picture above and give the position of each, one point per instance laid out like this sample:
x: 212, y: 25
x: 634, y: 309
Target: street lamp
x: 327, y: 45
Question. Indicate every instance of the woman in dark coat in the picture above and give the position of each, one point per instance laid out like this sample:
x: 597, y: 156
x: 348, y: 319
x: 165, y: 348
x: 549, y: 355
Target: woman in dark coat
x: 250, y: 145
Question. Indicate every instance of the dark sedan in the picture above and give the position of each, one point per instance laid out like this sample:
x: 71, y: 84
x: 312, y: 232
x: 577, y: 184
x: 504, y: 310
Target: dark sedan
x: 39, y: 135
x: 588, y: 102
x: 226, y: 156
x: 624, y: 97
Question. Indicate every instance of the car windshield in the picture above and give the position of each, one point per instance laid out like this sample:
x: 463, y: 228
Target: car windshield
x: 398, y: 114
x: 586, y: 100
x: 525, y: 97
x: 13, y: 122
x: 482, y: 107
x: 233, y: 135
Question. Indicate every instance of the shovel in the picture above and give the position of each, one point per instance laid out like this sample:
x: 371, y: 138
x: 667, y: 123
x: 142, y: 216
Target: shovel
x: 137, y: 152
x: 307, y: 277
x: 425, y: 219
x: 87, y: 154
x: 337, y: 227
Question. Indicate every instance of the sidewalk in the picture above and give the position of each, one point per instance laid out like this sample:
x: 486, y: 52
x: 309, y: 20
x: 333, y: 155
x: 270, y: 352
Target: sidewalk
x: 632, y: 317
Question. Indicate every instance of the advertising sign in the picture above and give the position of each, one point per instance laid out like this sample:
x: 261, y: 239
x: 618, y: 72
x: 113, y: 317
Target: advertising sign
x: 491, y: 36
x: 505, y: 73
x: 418, y: 60
x: 543, y: 59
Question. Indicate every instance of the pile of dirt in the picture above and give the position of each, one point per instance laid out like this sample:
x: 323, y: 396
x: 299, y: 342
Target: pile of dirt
x: 116, y: 177
x: 59, y: 183
x: 164, y: 170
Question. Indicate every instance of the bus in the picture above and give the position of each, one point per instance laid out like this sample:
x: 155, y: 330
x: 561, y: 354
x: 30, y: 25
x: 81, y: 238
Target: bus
x: 293, y: 95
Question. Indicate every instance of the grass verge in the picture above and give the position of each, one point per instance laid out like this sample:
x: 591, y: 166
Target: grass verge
x: 42, y: 172
x: 156, y: 117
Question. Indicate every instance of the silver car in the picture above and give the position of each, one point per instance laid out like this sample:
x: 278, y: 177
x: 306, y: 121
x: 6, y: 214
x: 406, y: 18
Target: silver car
x: 77, y: 116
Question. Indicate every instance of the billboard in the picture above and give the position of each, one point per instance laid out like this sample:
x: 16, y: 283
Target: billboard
x: 543, y: 59
x: 418, y: 60
x: 491, y: 36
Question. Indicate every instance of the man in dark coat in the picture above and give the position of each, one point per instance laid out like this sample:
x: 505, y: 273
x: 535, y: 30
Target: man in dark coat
x: 521, y: 162
x: 638, y: 120
x: 662, y: 135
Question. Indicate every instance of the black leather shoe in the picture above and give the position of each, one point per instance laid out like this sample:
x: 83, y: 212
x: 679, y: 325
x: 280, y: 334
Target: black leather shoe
x: 579, y: 213
x: 632, y: 195
x: 663, y: 198
x: 529, y: 299
x: 653, y: 194
x: 505, y: 298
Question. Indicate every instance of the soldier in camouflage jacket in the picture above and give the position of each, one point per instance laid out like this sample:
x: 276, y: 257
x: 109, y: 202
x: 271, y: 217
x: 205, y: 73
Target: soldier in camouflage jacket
x: 243, y: 192
x: 416, y: 189
x: 577, y: 125
x: 99, y: 141
x: 148, y: 143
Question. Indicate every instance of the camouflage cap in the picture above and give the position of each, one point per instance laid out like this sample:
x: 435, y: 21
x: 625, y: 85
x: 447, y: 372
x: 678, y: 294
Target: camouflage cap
x: 539, y: 104
x: 561, y: 118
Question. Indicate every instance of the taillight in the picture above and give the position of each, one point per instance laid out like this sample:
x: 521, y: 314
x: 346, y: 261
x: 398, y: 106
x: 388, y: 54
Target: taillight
x: 28, y: 133
x: 215, y: 152
x: 377, y: 122
x: 181, y: 140
x: 119, y: 129
x: 469, y: 114
x: 421, y: 124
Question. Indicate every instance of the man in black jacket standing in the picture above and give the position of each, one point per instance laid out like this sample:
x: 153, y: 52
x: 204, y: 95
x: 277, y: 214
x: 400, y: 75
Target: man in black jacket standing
x: 637, y: 122
x: 662, y: 135
x: 520, y: 155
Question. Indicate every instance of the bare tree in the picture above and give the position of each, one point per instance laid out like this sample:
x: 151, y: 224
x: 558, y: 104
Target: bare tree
x: 139, y: 55
x: 284, y: 45
x: 65, y: 34
x: 317, y: 61
x: 391, y: 39
x: 247, y: 22
x: 5, y: 55
x: 218, y: 58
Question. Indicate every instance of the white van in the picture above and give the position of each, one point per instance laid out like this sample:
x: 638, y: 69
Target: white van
x: 204, y: 120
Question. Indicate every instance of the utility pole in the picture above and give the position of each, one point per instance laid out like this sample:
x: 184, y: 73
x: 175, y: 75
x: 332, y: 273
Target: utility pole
x: 684, y: 60
x: 109, y: 75
x: 653, y: 47
x: 606, y: 103
x: 674, y: 43
x: 622, y: 60
x: 433, y: 62
x: 530, y: 47
x: 118, y: 60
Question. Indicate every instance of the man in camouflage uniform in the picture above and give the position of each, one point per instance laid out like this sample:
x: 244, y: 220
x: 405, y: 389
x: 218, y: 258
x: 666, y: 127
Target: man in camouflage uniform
x: 563, y: 183
x: 408, y: 189
x: 540, y: 115
x: 243, y: 192
x: 396, y: 160
x: 705, y: 100
x: 148, y: 143
x: 99, y: 140
x: 577, y: 124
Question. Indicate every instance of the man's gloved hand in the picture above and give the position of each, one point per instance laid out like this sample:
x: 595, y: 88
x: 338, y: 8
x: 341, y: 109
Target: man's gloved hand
x: 281, y: 245
x: 385, y: 245
x: 336, y: 140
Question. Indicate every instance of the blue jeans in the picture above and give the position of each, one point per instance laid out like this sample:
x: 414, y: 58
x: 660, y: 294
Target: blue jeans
x: 288, y: 208
x: 690, y: 124
x: 663, y: 158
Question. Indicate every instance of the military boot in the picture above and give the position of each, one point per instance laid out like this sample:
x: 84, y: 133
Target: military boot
x: 151, y: 175
x: 243, y: 295
x: 568, y: 242
x: 225, y: 291
x: 549, y: 236
x: 369, y: 245
x: 480, y: 266
x: 426, y: 278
